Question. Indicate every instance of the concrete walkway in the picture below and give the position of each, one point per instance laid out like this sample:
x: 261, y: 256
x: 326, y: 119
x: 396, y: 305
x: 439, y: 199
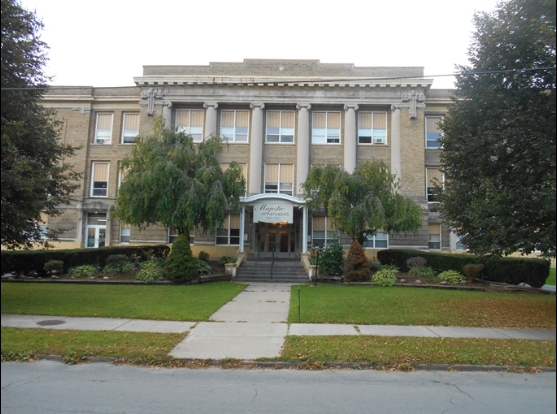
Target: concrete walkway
x: 254, y: 325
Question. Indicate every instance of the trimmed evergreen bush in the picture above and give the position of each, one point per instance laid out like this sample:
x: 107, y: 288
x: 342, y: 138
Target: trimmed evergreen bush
x: 180, y: 264
x: 356, y: 268
x: 331, y: 259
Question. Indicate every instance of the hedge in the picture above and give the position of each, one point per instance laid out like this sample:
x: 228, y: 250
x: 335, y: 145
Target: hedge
x: 512, y: 270
x: 29, y: 262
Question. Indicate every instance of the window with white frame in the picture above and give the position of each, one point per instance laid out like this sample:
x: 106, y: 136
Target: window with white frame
x: 172, y: 234
x: 130, y: 128
x: 125, y: 234
x: 279, y: 178
x: 103, y: 129
x: 378, y: 240
x: 324, y: 232
x: 229, y: 233
x: 433, y: 131
x: 372, y: 128
x: 99, y: 182
x: 121, y: 174
x: 325, y: 128
x: 434, y: 231
x: 434, y: 177
x: 190, y: 121
x: 459, y: 245
x: 234, y: 125
x: 280, y: 127
x: 225, y: 165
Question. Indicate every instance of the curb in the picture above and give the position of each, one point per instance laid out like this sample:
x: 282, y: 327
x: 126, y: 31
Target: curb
x: 311, y: 366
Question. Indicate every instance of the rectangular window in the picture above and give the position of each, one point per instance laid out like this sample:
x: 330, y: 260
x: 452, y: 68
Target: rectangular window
x: 434, y: 176
x: 279, y: 178
x: 103, y: 129
x: 121, y: 175
x: 433, y: 131
x: 125, y: 233
x: 379, y: 240
x: 190, y: 122
x: 43, y: 224
x: 229, y: 234
x: 99, y: 184
x: 459, y: 244
x: 325, y: 128
x: 434, y: 231
x: 372, y: 128
x: 172, y: 234
x: 130, y: 129
x: 324, y: 232
x: 280, y: 127
x: 234, y: 126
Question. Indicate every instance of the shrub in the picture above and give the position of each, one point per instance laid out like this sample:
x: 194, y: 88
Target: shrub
x: 180, y: 265
x: 227, y: 260
x: 384, y: 277
x: 203, y: 256
x: 356, y: 268
x: 451, y: 276
x: 53, y: 267
x: 417, y: 261
x: 151, y: 270
x: 119, y: 263
x: 84, y: 271
x: 203, y: 268
x: 331, y: 259
x: 422, y: 272
x: 473, y: 271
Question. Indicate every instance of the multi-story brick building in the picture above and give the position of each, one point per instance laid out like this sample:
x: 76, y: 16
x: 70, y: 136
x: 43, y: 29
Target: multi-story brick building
x: 279, y: 117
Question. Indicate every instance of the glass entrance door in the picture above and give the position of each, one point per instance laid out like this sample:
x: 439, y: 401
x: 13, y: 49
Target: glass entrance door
x: 96, y: 230
x: 278, y: 239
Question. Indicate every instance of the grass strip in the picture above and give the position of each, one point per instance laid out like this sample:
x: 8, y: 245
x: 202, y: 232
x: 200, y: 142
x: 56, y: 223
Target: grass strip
x: 373, y: 305
x: 551, y: 278
x: 77, y: 345
x: 170, y: 302
x: 393, y: 351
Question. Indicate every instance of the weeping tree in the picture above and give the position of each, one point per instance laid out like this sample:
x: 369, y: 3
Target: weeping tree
x: 363, y: 202
x: 173, y: 182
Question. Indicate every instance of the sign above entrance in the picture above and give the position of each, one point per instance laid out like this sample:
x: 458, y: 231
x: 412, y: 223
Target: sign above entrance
x: 276, y: 212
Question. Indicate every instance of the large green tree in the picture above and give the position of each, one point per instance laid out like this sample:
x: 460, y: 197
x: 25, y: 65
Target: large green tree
x: 498, y: 147
x: 176, y: 183
x: 363, y: 202
x: 36, y: 173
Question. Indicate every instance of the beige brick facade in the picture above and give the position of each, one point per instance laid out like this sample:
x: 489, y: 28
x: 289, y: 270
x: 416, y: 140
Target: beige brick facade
x: 256, y: 86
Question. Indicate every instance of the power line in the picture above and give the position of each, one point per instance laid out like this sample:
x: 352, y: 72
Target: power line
x: 473, y: 73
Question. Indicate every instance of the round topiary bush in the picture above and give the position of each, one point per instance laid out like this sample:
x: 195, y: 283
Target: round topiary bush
x: 331, y: 259
x: 180, y: 264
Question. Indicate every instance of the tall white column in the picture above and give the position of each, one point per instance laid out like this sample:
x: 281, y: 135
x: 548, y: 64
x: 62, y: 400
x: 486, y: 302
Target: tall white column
x: 167, y: 114
x: 350, y: 143
x: 305, y: 231
x: 242, y: 228
x: 210, y: 119
x: 256, y: 149
x: 302, y: 158
x: 395, y: 142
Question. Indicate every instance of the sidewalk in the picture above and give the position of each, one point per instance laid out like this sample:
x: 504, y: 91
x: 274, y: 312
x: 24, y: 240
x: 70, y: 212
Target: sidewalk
x: 254, y: 325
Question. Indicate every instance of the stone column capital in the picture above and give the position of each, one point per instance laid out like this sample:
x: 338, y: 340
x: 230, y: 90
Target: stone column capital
x: 395, y: 108
x: 355, y: 107
x: 213, y: 105
x: 257, y: 105
x: 303, y: 106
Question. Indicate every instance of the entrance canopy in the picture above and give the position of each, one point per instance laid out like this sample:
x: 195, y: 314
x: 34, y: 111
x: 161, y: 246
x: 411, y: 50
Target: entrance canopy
x: 274, y: 208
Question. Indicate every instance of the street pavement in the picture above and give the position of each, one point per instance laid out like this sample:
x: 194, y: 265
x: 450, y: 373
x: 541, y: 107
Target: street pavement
x: 254, y: 325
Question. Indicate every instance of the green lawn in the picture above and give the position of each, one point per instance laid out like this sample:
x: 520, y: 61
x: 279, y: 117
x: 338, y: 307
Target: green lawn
x: 171, y: 302
x: 406, y: 306
x: 141, y: 346
x: 551, y: 278
x: 407, y: 350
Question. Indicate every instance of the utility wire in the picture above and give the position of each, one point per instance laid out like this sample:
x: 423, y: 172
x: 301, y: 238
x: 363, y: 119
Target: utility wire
x: 473, y: 73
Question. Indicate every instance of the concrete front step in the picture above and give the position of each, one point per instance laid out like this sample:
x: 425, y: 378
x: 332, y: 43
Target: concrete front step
x: 286, y: 271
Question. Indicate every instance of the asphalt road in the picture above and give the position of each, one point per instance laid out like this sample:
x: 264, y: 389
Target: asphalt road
x: 53, y: 387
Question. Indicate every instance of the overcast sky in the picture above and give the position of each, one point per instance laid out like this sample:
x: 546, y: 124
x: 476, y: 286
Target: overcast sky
x: 107, y: 42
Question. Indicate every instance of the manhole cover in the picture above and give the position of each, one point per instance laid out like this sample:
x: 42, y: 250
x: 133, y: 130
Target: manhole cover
x: 51, y: 322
